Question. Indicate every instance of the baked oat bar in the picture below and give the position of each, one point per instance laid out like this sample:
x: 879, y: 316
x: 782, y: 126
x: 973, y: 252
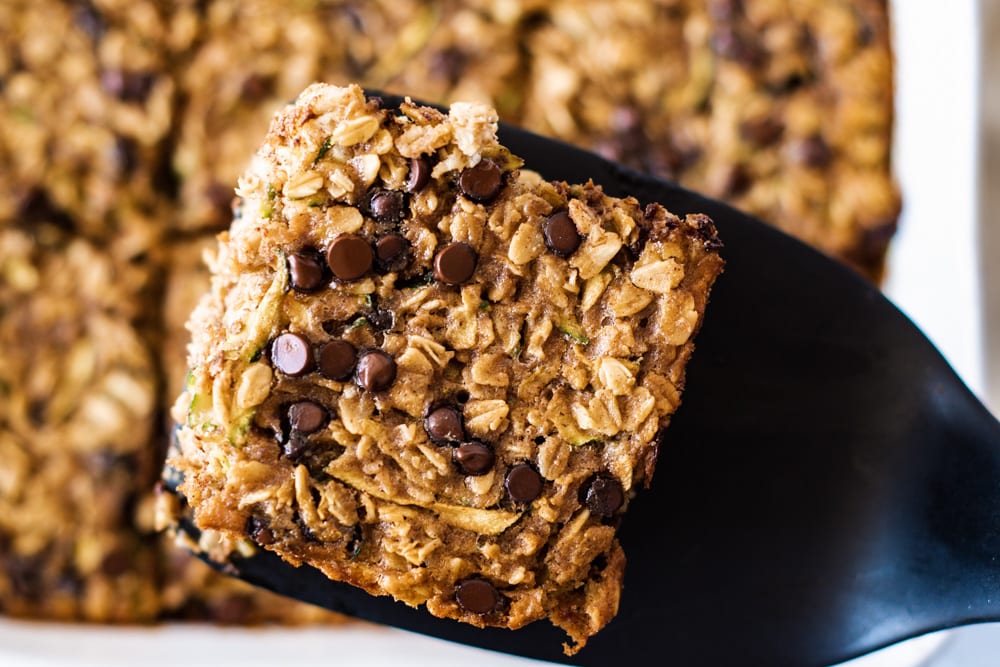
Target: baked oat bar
x: 188, y: 588
x: 431, y: 374
x: 192, y: 591
x: 782, y: 108
x: 250, y: 57
x: 86, y: 106
x: 77, y: 405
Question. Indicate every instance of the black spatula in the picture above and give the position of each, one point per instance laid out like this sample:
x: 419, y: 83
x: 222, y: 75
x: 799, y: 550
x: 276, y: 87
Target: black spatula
x: 828, y: 487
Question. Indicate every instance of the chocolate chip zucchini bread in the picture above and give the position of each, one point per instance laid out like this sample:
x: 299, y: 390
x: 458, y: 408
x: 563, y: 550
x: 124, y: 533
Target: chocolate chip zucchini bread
x: 431, y: 374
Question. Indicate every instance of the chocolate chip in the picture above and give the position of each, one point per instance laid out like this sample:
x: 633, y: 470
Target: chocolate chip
x: 376, y: 370
x: 381, y: 319
x: 482, y: 182
x: 117, y: 562
x: 291, y: 354
x: 725, y: 10
x: 811, y: 152
x: 762, y: 131
x: 256, y: 87
x: 357, y: 541
x: 259, y: 532
x: 350, y: 257
x: 874, y: 241
x: 735, y: 180
x: 604, y: 495
x: 105, y: 463
x: 225, y: 204
x: 444, y: 424
x: 473, y: 458
x: 37, y: 411
x: 387, y: 205
x: 89, y: 20
x: 24, y: 574
x: 523, y: 483
x: 306, y: 271
x: 420, y: 174
x: 296, y: 447
x: 125, y: 155
x: 306, y: 417
x: 127, y: 86
x: 455, y: 263
x: 337, y: 359
x: 477, y: 596
x: 392, y: 252
x: 734, y: 45
x: 560, y: 234
x: 448, y: 64
x: 37, y: 208
x: 232, y: 609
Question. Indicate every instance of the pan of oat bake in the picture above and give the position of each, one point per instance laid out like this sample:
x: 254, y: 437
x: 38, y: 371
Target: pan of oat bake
x: 124, y: 125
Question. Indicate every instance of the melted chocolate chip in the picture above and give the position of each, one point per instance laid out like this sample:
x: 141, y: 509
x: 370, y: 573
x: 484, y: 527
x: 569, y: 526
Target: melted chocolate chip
x: 24, y: 574
x: 875, y: 240
x: 561, y: 235
x: 337, y: 359
x: 762, y: 131
x: 482, y: 182
x: 306, y: 417
x: 350, y: 257
x: 725, y: 10
x: 604, y: 495
x: 381, y: 319
x: 477, y: 596
x: 473, y: 458
x: 105, y: 463
x: 448, y: 64
x: 117, y: 562
x: 256, y: 87
x: 734, y: 45
x: 387, y: 205
x: 735, y: 180
x: 455, y: 263
x: 37, y: 411
x: 259, y: 532
x: 523, y: 483
x: 420, y: 174
x: 125, y: 155
x: 37, y: 208
x: 376, y: 370
x: 89, y: 20
x: 444, y: 424
x: 127, y: 86
x: 392, y: 252
x: 291, y: 354
x: 811, y: 152
x: 306, y: 271
x: 296, y: 447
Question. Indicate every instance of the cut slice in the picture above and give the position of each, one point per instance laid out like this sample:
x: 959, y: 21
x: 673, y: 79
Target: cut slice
x: 431, y: 374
